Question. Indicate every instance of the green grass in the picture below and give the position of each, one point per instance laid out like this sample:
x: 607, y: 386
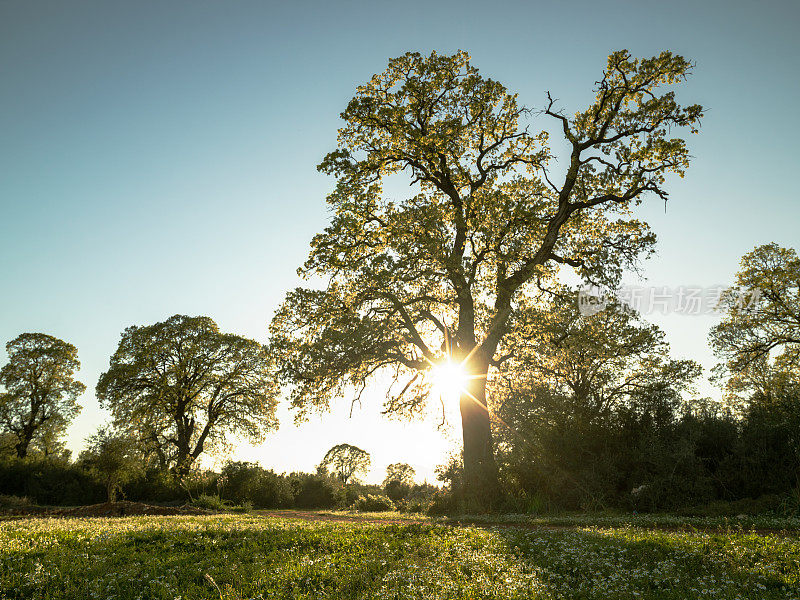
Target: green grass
x: 253, y: 557
x: 390, y: 515
x: 647, y: 520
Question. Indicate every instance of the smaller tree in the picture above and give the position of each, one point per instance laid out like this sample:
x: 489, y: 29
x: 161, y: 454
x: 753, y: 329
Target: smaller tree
x: 346, y: 460
x: 402, y: 472
x: 40, y: 390
x: 759, y: 337
x: 181, y: 386
x: 112, y: 459
x: 398, y: 481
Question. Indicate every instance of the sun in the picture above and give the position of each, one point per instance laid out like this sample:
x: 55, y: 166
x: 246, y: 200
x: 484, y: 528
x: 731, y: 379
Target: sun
x: 449, y: 378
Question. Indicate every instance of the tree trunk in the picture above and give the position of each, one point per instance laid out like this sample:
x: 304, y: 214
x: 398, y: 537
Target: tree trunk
x: 24, y: 442
x: 22, y: 448
x: 183, y: 463
x: 481, y: 485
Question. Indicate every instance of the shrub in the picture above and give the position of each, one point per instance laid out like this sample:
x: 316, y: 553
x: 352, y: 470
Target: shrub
x: 244, y: 507
x: 374, y: 503
x: 316, y: 491
x: 12, y: 502
x: 416, y: 506
x: 242, y: 482
x: 397, y: 490
x: 210, y: 502
x: 769, y: 503
x: 155, y: 486
x: 443, y: 503
x: 49, y: 482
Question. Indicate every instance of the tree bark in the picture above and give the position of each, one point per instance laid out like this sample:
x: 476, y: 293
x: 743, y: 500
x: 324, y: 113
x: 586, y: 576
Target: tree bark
x: 481, y: 485
x: 25, y: 437
x: 22, y: 448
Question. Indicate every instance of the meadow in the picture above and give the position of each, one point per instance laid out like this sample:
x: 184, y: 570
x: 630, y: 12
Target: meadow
x: 250, y: 556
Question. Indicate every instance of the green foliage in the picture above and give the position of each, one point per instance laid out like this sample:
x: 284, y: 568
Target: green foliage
x: 346, y: 461
x: 244, y: 507
x: 13, y: 502
x: 112, y: 459
x: 181, y: 386
x: 374, y: 503
x: 444, y: 270
x: 242, y: 482
x: 49, y: 481
x: 759, y: 337
x: 401, y: 473
x: 396, y: 490
x: 587, y: 405
x: 649, y: 455
x: 210, y: 502
x: 155, y: 485
x: 40, y: 397
x: 762, y: 318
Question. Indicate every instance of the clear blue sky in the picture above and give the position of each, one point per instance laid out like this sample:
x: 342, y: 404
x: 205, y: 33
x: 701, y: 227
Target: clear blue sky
x: 159, y: 157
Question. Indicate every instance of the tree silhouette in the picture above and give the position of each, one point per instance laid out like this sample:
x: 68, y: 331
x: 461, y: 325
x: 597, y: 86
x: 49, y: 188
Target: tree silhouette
x: 40, y: 390
x: 438, y: 276
x: 181, y: 385
x: 346, y: 460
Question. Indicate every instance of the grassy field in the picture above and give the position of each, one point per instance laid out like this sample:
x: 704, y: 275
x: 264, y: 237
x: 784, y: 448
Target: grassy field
x: 247, y: 556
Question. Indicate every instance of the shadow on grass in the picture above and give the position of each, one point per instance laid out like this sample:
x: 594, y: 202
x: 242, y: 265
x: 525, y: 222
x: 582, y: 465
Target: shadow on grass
x: 258, y: 559
x: 635, y: 563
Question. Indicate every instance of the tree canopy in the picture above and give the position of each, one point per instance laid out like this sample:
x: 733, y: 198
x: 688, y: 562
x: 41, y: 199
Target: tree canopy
x: 759, y: 336
x: 40, y: 397
x: 112, y: 458
x: 596, y: 362
x: 489, y: 220
x: 346, y: 460
x: 400, y: 472
x: 588, y: 402
x: 181, y: 385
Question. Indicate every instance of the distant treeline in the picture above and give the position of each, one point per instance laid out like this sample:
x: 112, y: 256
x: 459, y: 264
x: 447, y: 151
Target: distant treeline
x: 54, y: 481
x: 648, y: 455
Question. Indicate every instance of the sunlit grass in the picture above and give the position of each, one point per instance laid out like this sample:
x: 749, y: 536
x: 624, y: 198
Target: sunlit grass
x: 253, y: 557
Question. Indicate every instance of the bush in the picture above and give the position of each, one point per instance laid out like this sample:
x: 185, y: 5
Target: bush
x: 316, y: 491
x: 210, y: 502
x: 790, y: 503
x: 374, y: 503
x: 769, y: 503
x: 49, y: 482
x: 443, y: 503
x: 12, y: 502
x: 397, y: 490
x: 416, y: 506
x: 242, y: 482
x: 155, y: 486
x: 244, y: 507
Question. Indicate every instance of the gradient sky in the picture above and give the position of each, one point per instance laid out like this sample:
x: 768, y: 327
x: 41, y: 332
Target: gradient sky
x: 159, y: 158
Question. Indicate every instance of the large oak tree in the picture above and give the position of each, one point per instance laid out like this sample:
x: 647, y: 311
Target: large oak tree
x: 41, y: 393
x: 181, y: 385
x: 437, y: 274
